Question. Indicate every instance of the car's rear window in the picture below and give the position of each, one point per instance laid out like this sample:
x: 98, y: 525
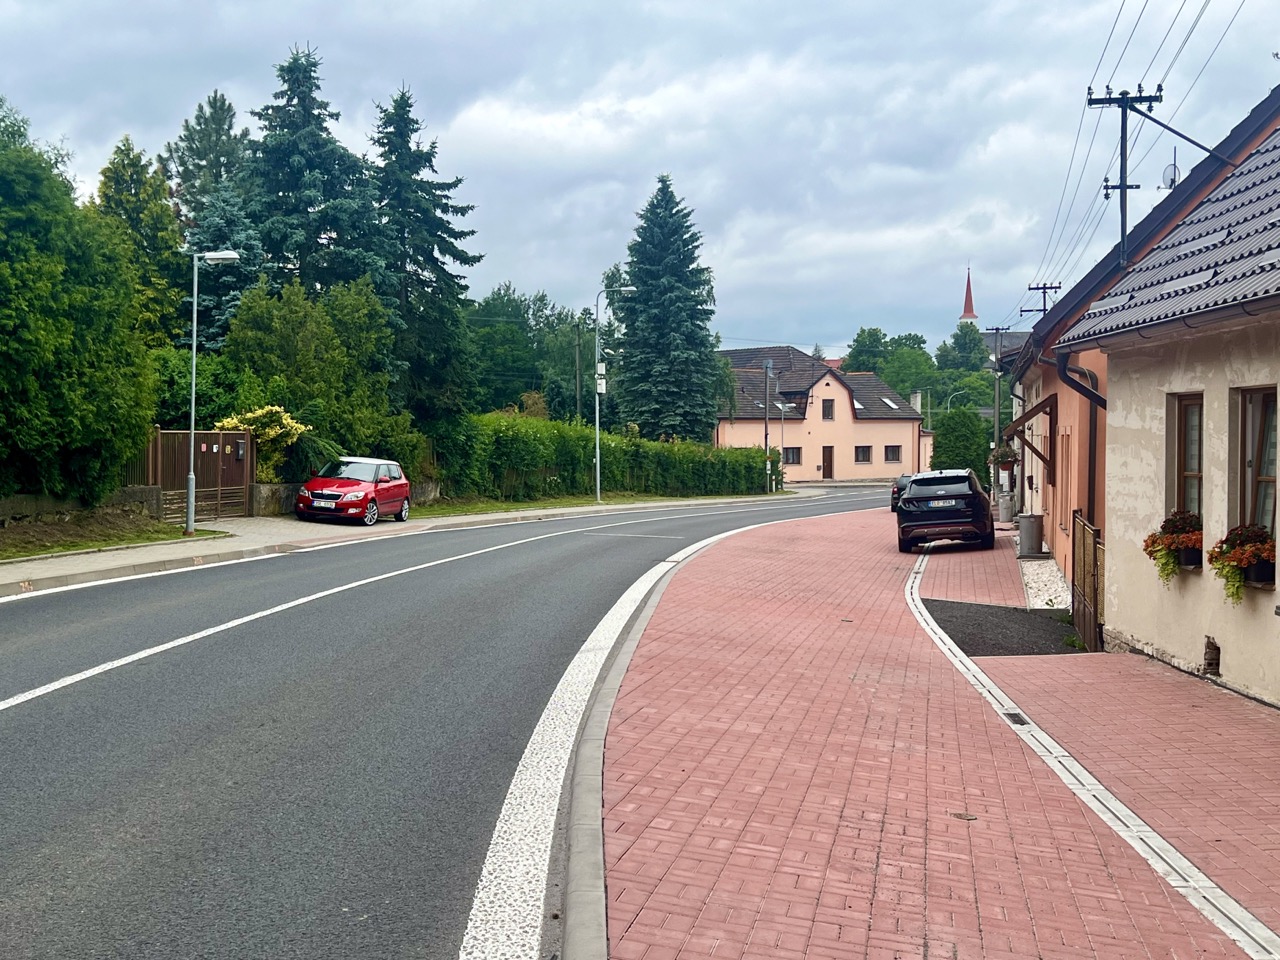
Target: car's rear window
x: 936, y: 486
x: 349, y: 471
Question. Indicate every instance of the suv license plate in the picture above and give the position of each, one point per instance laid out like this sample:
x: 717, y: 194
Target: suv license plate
x: 942, y: 503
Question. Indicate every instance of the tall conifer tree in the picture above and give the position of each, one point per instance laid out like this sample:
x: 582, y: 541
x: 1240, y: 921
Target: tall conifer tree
x: 311, y: 197
x: 423, y: 251
x: 221, y: 224
x: 208, y: 152
x: 669, y: 368
x: 135, y: 194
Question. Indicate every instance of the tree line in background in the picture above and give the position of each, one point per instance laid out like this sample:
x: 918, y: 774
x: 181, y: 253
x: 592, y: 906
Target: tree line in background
x: 954, y: 382
x: 348, y: 308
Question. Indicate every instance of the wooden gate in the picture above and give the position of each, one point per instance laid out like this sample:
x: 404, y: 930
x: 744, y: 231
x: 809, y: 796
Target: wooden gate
x: 1088, y: 582
x: 224, y: 469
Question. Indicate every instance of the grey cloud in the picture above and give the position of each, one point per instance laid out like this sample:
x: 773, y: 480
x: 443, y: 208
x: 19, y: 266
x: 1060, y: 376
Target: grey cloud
x: 844, y: 161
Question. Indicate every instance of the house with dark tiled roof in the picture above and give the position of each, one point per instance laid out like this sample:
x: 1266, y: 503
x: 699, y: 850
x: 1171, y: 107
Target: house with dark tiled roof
x: 829, y: 425
x: 1191, y: 337
x: 1064, y: 385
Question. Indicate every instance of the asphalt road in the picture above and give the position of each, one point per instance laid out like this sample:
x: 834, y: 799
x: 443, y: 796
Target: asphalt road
x: 317, y: 781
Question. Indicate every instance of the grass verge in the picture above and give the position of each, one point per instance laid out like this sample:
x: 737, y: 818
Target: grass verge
x: 89, y: 530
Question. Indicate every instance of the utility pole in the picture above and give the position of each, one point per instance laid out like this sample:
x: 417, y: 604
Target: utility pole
x: 995, y: 413
x: 1044, y: 289
x: 1126, y: 102
x: 577, y: 367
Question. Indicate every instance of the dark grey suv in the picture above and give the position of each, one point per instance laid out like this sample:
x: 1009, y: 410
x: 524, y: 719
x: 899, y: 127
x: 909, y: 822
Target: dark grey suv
x: 945, y: 505
x: 895, y: 492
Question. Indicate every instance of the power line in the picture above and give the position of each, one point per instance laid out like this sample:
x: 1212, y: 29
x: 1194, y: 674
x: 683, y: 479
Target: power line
x: 1192, y: 29
x: 1066, y: 180
x: 1125, y: 49
x: 1203, y: 66
x: 1163, y: 41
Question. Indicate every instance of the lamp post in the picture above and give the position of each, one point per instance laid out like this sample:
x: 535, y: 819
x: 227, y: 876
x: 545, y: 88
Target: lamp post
x: 216, y: 256
x: 600, y: 384
x: 768, y: 464
x: 956, y: 394
x: 782, y: 444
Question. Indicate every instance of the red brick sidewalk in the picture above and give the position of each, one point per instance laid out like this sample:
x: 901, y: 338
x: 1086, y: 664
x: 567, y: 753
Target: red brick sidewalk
x: 954, y: 573
x: 793, y: 769
x: 1198, y: 763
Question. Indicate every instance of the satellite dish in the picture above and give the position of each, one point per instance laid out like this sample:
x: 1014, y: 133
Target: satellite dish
x: 1170, y: 178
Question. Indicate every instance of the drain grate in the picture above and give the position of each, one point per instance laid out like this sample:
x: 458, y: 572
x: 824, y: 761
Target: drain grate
x: 1017, y: 718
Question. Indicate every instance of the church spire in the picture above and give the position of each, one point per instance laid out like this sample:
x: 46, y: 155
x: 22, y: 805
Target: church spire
x: 968, y: 298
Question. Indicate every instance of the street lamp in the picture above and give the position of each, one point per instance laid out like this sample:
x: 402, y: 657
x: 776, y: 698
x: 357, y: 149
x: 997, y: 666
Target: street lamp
x: 215, y: 256
x: 956, y: 394
x: 782, y: 442
x: 600, y: 384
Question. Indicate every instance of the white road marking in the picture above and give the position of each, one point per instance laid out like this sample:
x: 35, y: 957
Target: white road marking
x: 1252, y: 936
x: 13, y: 598
x: 101, y: 668
x: 506, y: 915
x: 636, y: 536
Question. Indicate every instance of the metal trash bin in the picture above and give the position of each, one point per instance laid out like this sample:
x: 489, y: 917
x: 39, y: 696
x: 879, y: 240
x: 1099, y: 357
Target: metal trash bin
x: 1004, y: 503
x: 1031, y: 535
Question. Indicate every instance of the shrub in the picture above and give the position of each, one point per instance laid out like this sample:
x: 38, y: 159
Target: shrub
x: 273, y: 432
x: 509, y: 456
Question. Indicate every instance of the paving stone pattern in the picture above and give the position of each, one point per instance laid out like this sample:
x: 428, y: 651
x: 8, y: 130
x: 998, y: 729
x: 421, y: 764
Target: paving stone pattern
x: 793, y: 770
x: 994, y: 576
x: 1198, y: 763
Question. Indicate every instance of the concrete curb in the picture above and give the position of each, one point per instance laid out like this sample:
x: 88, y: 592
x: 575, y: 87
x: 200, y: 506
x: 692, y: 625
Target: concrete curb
x: 152, y: 566
x: 585, y: 925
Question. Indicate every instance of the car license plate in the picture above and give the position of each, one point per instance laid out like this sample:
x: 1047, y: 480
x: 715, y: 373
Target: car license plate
x: 942, y: 503
x: 326, y: 504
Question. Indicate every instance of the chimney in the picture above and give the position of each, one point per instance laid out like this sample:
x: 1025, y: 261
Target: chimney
x: 915, y: 400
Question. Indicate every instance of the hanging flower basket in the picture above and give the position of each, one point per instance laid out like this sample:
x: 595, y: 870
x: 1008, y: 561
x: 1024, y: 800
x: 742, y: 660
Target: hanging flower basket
x: 1246, y: 554
x: 1003, y: 456
x: 1178, y: 543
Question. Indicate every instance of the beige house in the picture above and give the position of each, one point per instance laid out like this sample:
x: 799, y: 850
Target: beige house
x: 829, y: 425
x: 1191, y: 335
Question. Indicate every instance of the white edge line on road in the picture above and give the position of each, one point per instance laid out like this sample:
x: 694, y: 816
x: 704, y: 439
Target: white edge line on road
x: 193, y: 568
x: 506, y: 915
x: 1254, y: 937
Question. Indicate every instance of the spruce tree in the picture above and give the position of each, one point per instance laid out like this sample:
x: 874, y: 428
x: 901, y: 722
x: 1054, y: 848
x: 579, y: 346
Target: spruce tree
x: 208, y: 152
x: 221, y: 224
x: 669, y: 368
x: 311, y: 197
x: 423, y: 250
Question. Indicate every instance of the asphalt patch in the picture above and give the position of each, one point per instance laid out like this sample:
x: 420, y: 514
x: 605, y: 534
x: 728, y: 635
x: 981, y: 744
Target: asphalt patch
x: 981, y: 630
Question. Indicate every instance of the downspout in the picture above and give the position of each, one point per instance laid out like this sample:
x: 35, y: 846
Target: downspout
x: 1022, y: 476
x: 1096, y: 401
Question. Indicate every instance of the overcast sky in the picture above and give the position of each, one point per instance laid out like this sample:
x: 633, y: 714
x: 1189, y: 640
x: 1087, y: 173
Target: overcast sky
x: 845, y: 162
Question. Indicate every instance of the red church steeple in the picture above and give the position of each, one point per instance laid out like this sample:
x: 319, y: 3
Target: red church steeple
x: 968, y: 298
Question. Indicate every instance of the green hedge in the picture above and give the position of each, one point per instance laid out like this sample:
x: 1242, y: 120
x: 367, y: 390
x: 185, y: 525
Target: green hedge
x: 513, y: 457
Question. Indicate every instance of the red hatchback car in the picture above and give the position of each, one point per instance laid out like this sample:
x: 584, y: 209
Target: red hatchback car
x: 355, y: 488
